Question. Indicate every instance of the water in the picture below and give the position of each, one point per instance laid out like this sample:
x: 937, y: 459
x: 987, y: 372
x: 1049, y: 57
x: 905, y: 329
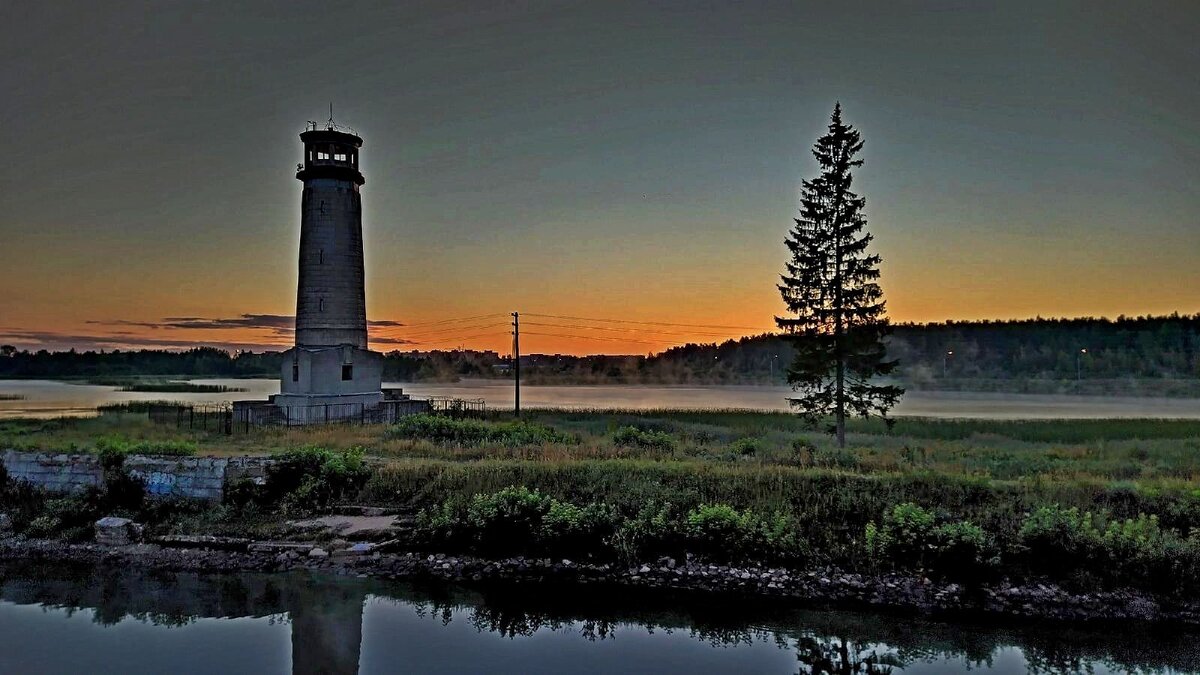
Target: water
x: 44, y: 398
x: 69, y: 619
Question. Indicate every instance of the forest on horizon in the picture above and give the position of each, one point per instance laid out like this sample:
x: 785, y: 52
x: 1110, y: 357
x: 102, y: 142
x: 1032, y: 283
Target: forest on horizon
x: 1151, y: 355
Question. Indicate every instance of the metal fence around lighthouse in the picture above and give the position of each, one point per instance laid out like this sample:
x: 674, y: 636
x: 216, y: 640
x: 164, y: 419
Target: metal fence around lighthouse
x: 244, y: 417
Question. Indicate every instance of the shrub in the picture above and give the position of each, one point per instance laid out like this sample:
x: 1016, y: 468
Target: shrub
x: 652, y: 531
x: 1055, y: 539
x: 508, y: 520
x: 834, y: 458
x: 474, y: 432
x: 962, y: 550
x: 632, y: 437
x: 723, y: 533
x: 1077, y: 546
x: 573, y: 531
x: 909, y: 536
x: 803, y: 448
x: 311, y: 478
x: 746, y: 447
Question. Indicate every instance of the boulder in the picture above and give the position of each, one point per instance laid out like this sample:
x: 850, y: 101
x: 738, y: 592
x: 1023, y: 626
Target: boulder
x: 114, y: 531
x: 6, y: 526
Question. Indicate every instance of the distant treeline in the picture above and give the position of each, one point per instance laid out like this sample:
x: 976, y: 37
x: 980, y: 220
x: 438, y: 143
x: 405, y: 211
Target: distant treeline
x: 103, y: 366
x: 1088, y: 355
x: 1091, y: 355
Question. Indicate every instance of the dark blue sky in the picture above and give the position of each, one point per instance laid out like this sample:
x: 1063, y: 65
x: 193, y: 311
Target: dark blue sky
x: 637, y: 160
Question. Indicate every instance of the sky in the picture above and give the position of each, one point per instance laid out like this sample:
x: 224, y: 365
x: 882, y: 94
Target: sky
x: 634, y: 162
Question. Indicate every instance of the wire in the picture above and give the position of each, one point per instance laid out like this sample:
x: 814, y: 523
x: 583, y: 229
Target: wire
x: 627, y: 330
x: 460, y: 338
x: 588, y: 337
x: 443, y: 321
x: 453, y: 329
x: 644, y: 323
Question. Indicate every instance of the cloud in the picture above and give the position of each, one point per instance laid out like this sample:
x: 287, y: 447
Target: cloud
x: 278, y: 323
x: 391, y: 341
x: 53, y: 340
x: 124, y: 339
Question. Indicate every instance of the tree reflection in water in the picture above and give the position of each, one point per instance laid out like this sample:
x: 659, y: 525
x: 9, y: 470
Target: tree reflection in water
x: 839, y: 656
x: 326, y: 619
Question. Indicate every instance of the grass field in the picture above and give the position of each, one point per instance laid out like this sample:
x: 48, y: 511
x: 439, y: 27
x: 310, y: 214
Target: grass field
x: 1107, y: 493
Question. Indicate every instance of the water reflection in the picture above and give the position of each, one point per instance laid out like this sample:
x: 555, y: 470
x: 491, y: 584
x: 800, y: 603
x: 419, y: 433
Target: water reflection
x: 338, y: 625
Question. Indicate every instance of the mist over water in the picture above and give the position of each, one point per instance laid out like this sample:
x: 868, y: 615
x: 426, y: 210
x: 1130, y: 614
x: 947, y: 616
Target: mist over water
x: 45, y: 398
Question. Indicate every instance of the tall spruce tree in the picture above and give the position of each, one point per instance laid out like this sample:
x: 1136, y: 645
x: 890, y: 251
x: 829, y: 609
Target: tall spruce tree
x: 830, y: 287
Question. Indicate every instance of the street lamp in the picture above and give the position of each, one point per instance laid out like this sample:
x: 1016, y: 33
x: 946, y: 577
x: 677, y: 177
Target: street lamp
x: 945, y: 361
x: 1079, y: 363
x: 774, y: 358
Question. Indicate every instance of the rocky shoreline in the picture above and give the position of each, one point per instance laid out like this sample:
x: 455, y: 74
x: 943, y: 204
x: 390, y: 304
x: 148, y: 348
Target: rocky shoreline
x: 826, y: 587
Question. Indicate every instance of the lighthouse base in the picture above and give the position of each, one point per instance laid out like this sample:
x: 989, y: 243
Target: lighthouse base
x: 329, y: 383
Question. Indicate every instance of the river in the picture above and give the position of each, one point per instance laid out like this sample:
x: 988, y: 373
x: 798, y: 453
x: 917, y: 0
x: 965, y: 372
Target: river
x: 71, y: 619
x: 45, y: 398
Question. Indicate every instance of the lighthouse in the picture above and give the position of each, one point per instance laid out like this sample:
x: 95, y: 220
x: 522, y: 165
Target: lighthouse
x: 330, y: 372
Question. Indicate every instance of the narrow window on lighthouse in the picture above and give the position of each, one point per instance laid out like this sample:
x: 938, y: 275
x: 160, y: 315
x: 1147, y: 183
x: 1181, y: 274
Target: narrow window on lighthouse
x: 321, y: 257
x: 321, y: 305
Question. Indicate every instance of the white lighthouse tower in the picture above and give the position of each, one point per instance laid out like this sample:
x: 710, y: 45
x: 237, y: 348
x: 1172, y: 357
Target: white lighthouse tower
x: 330, y: 372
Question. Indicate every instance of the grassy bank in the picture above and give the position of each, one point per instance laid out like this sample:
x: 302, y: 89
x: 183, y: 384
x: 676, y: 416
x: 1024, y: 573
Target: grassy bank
x: 160, y: 385
x: 1089, y: 503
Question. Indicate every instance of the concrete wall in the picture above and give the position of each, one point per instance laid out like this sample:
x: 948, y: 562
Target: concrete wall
x: 193, y: 477
x: 319, y: 372
x: 58, y: 473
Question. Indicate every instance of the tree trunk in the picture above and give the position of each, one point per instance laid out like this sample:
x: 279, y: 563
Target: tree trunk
x: 841, y: 402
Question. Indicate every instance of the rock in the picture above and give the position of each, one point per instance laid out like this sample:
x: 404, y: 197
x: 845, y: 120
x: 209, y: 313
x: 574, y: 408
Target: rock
x: 318, y: 553
x: 644, y: 569
x: 280, y: 547
x: 6, y: 526
x: 114, y: 531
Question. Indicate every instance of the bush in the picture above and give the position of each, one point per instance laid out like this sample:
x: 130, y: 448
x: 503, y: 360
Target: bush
x: 1080, y: 547
x: 569, y: 530
x: 910, y: 537
x: 519, y: 520
x: 721, y: 532
x: 746, y: 447
x: 311, y: 478
x: 507, y: 521
x: 835, y: 458
x: 651, y: 532
x: 451, y: 431
x: 1053, y: 538
x: 632, y: 437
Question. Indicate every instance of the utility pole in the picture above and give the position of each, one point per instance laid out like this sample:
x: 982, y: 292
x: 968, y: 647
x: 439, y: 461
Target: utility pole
x: 516, y: 324
x: 1079, y: 364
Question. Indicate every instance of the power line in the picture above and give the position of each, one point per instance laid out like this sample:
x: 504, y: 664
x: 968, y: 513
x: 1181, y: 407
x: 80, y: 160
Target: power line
x: 644, y: 323
x: 453, y: 329
x: 443, y: 321
x: 627, y: 330
x: 458, y: 338
x: 591, y: 337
